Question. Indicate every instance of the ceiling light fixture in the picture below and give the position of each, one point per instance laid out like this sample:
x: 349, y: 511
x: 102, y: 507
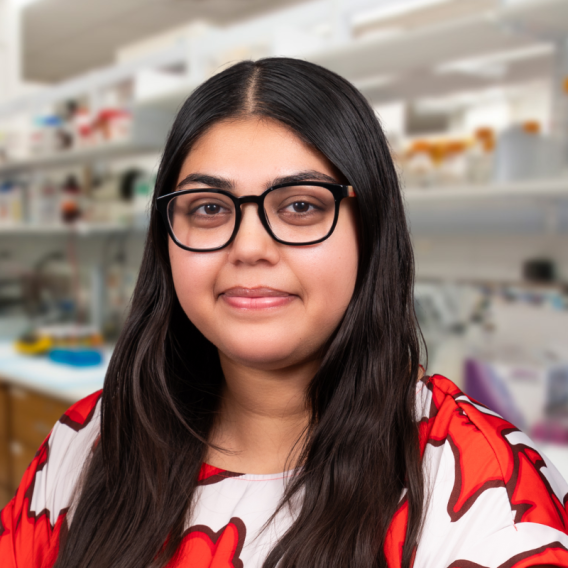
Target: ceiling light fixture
x: 20, y: 4
x: 392, y: 9
x: 477, y: 65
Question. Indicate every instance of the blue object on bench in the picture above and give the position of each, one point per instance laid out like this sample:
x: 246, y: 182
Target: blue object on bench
x: 76, y: 357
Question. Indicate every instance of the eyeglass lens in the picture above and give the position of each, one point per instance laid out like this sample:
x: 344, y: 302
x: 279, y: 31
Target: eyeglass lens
x: 296, y: 214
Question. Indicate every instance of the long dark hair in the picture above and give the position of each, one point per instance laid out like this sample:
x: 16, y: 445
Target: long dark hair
x: 164, y: 381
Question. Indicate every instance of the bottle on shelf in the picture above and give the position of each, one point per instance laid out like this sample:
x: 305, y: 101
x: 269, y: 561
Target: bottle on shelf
x: 112, y: 125
x: 11, y: 203
x: 524, y: 153
x: 143, y: 189
x: 453, y: 165
x: 418, y: 167
x: 481, y: 156
x: 50, y: 134
x: 82, y: 126
x: 43, y: 202
x: 70, y: 200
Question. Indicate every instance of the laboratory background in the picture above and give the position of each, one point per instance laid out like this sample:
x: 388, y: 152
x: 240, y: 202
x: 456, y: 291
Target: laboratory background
x: 472, y: 94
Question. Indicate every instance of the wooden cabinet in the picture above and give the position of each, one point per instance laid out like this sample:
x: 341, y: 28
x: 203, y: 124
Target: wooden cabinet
x: 32, y: 416
x: 20, y: 457
x: 5, y: 482
x: 26, y: 418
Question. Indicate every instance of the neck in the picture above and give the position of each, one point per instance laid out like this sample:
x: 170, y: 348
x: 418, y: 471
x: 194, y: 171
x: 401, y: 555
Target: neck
x: 263, y: 415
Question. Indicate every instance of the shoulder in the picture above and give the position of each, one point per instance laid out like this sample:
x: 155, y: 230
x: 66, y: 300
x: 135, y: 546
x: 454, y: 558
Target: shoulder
x: 489, y: 452
x: 484, y: 476
x: 80, y: 414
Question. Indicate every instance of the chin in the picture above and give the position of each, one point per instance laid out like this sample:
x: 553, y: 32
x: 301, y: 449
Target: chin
x: 262, y: 355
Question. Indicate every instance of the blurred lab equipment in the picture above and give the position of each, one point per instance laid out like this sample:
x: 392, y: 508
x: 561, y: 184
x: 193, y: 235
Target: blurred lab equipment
x: 522, y: 153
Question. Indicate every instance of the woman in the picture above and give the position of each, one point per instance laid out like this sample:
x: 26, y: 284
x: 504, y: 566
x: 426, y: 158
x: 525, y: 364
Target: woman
x: 272, y: 332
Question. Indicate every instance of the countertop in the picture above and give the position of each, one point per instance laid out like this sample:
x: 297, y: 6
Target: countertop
x: 63, y: 382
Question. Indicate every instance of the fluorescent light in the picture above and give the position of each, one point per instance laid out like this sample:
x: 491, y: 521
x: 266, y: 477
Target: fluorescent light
x: 374, y: 82
x: 392, y: 9
x: 484, y: 65
x: 22, y: 3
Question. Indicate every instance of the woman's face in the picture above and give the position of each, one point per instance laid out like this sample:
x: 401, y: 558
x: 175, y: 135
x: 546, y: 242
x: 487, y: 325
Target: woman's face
x: 264, y: 304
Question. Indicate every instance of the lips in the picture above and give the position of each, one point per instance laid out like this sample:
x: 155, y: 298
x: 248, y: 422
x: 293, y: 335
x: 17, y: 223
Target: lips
x: 256, y: 298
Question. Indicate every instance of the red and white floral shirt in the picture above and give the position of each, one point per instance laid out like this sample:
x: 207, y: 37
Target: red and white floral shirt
x: 494, y: 500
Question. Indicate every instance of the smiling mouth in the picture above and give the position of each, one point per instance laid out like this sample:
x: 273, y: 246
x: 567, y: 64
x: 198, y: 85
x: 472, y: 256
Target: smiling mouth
x: 256, y: 298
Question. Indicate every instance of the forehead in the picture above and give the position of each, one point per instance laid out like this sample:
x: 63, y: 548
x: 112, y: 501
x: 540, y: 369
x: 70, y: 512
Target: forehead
x: 252, y: 151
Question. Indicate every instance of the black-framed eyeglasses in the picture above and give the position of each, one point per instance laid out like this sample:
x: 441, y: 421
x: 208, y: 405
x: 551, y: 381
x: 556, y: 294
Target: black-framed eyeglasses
x: 297, y: 214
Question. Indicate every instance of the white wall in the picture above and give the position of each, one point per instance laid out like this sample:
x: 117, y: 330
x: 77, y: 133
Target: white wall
x: 10, y: 60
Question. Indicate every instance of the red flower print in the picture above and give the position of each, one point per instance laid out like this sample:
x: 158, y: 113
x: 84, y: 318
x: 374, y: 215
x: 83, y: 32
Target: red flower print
x: 202, y: 548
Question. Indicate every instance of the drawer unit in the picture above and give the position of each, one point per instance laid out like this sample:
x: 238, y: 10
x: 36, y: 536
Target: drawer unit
x: 4, y: 453
x: 5, y: 496
x: 21, y: 456
x: 32, y: 417
x: 26, y: 419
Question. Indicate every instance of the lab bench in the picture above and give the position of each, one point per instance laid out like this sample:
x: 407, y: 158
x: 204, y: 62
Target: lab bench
x: 34, y: 393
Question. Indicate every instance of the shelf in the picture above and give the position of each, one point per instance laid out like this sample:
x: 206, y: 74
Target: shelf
x: 544, y: 17
x: 422, y: 48
x: 169, y: 100
x: 80, y: 229
x: 532, y: 207
x: 438, y: 83
x: 412, y: 57
x: 148, y: 134
x: 73, y: 157
x: 93, y: 81
x: 542, y: 189
x: 415, y: 56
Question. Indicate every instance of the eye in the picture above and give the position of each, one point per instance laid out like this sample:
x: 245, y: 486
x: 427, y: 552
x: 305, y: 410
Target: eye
x: 300, y: 206
x: 211, y: 208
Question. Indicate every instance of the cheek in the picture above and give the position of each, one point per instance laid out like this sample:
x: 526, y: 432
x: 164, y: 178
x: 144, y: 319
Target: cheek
x: 194, y: 277
x: 337, y: 270
x: 328, y: 276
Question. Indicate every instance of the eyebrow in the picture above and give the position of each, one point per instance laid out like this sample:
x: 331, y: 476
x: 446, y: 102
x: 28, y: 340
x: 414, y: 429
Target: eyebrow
x: 307, y: 175
x: 205, y: 179
x: 229, y: 185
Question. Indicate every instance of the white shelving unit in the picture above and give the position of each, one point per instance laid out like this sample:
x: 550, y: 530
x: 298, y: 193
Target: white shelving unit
x: 383, y: 64
x: 388, y: 66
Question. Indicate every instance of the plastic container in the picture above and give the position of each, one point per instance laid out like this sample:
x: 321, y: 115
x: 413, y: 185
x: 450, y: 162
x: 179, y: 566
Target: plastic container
x: 523, y: 153
x: 453, y: 167
x: 481, y: 156
x: 44, y: 203
x: 76, y: 357
x: 419, y: 167
x: 49, y: 135
x: 11, y: 203
x: 143, y: 189
x: 112, y: 125
x: 82, y: 126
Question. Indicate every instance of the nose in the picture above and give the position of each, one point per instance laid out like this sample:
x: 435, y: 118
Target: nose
x: 252, y: 243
